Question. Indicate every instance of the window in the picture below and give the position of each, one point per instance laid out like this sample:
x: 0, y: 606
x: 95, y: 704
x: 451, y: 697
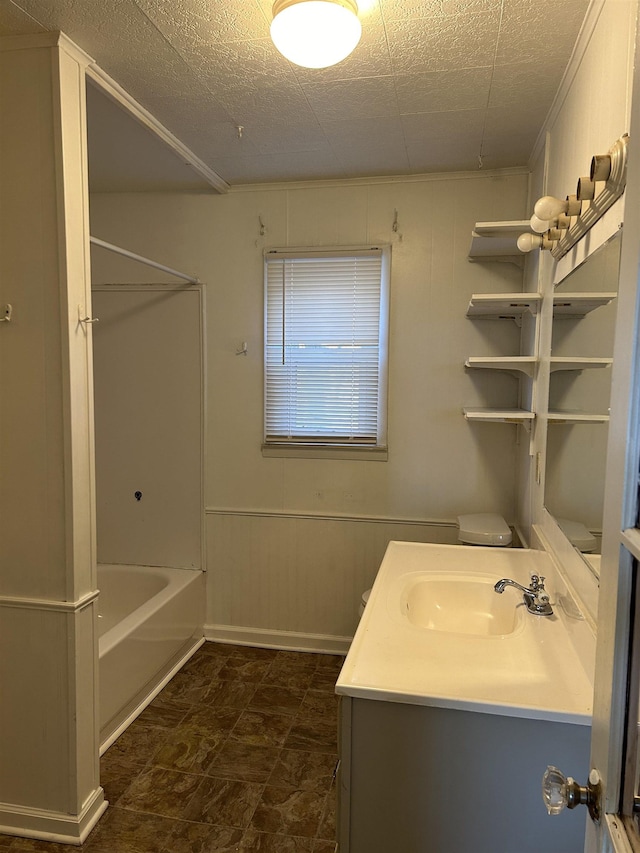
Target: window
x: 325, y: 351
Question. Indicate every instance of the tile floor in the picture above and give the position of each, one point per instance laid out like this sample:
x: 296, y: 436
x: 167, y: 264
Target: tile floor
x: 236, y: 754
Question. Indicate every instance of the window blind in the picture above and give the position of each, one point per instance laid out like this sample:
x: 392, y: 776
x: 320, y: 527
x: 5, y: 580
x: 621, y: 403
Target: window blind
x: 323, y: 348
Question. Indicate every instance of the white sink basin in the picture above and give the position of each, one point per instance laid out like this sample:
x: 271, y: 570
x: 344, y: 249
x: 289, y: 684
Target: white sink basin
x: 461, y: 605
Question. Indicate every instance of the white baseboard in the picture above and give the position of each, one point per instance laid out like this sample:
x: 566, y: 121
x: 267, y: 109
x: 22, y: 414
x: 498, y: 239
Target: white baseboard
x: 289, y: 640
x: 59, y: 827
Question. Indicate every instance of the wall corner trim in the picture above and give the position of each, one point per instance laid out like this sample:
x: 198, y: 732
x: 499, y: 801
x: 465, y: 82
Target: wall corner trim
x: 53, y: 826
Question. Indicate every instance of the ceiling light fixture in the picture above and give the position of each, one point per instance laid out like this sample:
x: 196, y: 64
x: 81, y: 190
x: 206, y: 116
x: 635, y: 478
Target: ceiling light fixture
x: 315, y: 33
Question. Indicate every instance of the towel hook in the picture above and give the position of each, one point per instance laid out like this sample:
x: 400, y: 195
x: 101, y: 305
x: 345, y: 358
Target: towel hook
x: 8, y: 311
x: 83, y: 317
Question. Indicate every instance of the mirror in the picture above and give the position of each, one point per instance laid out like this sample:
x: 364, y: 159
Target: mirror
x: 579, y: 389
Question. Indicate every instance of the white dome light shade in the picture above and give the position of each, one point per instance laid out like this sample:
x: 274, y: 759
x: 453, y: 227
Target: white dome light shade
x: 315, y: 33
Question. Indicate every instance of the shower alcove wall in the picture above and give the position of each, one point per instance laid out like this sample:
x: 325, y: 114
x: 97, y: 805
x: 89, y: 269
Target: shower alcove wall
x: 148, y: 426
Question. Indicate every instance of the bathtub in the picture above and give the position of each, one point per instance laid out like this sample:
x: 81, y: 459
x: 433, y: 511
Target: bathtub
x: 149, y: 622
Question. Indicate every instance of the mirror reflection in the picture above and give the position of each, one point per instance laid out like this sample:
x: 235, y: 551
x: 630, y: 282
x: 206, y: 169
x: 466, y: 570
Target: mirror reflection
x: 579, y: 390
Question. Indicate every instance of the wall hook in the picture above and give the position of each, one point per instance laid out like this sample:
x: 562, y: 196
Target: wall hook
x: 394, y: 227
x: 262, y: 228
x: 8, y: 311
x: 83, y: 317
x: 244, y: 350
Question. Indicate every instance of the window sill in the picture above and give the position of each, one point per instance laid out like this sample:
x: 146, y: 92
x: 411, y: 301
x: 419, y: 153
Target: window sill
x: 325, y: 451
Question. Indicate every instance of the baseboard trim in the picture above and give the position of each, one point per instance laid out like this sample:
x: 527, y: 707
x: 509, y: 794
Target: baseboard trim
x: 58, y: 827
x: 286, y: 640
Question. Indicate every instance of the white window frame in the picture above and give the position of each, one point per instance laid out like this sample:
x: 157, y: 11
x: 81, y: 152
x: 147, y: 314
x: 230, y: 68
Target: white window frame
x: 315, y: 446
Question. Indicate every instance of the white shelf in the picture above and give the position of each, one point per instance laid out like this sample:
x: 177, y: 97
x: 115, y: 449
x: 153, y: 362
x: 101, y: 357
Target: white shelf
x: 567, y: 306
x: 568, y: 363
x: 496, y: 241
x: 503, y: 306
x: 519, y: 364
x: 569, y: 417
x: 506, y: 416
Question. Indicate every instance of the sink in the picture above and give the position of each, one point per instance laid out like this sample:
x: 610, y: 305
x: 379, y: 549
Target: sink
x: 462, y: 605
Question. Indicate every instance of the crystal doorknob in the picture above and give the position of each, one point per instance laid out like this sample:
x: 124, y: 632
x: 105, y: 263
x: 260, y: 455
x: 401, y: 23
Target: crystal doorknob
x: 559, y: 791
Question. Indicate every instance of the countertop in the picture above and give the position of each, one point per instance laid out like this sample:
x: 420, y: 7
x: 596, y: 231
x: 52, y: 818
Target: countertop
x: 533, y: 672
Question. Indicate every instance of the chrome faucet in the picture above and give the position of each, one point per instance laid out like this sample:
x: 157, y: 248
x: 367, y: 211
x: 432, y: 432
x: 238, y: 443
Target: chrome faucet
x: 535, y: 596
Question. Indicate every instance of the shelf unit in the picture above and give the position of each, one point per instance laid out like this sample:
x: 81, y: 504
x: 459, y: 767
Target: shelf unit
x: 503, y: 306
x: 573, y: 306
x: 504, y: 416
x: 561, y: 362
x: 497, y: 241
x: 512, y: 364
x: 559, y: 417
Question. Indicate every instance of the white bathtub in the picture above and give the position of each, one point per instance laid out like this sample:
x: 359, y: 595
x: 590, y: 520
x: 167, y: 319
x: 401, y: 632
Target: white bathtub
x: 150, y: 621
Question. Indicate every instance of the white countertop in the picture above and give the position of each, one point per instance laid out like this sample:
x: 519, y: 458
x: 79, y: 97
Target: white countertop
x: 533, y: 672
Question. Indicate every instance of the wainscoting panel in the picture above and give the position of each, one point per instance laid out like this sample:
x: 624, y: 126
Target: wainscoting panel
x: 276, y: 574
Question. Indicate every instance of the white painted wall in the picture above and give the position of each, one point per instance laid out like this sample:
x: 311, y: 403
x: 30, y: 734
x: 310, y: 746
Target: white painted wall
x: 48, y: 729
x: 591, y: 111
x: 439, y: 465
x: 148, y: 391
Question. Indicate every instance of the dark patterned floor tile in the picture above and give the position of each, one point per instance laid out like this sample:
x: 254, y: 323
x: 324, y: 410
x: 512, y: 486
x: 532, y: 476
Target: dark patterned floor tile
x: 230, y: 694
x: 254, y: 653
x: 323, y: 679
x: 188, y: 687
x: 319, y: 704
x: 136, y: 745
x: 277, y: 700
x: 31, y: 845
x: 287, y: 811
x: 189, y: 750
x: 296, y: 660
x: 5, y: 841
x: 223, y: 802
x: 313, y: 736
x: 266, y: 842
x: 161, y: 792
x: 204, y: 838
x: 293, y: 678
x: 122, y: 831
x: 241, y: 669
x: 210, y: 720
x: 324, y: 847
x: 309, y: 771
x: 205, y: 665
x: 245, y: 762
x: 261, y: 729
x: 117, y: 772
x: 163, y: 714
x: 331, y: 663
x: 213, y: 649
x: 327, y: 828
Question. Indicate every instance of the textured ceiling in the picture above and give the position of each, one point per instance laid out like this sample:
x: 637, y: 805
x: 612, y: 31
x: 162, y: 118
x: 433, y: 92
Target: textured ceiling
x: 433, y: 84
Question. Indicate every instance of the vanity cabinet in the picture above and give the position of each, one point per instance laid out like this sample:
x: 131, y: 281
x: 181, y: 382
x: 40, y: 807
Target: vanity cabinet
x: 421, y: 779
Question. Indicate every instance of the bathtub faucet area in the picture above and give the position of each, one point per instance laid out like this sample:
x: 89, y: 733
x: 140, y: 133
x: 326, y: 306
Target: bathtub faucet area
x: 535, y: 596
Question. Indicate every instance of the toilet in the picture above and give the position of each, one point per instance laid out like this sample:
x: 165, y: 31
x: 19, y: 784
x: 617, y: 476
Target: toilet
x: 480, y: 528
x: 484, y: 528
x: 363, y: 601
x: 578, y: 535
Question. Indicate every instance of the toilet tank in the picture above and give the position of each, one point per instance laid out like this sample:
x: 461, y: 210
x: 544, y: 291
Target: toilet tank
x: 484, y: 528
